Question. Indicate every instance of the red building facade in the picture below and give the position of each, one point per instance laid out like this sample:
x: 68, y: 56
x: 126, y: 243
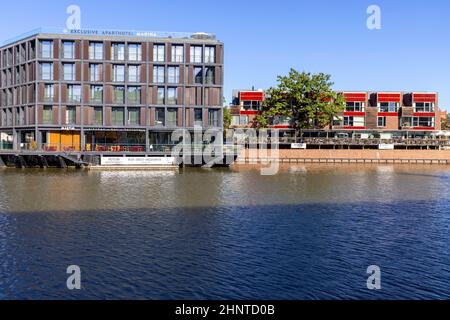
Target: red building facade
x: 365, y: 111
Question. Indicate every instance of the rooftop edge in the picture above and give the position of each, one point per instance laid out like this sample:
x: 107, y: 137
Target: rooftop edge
x: 112, y: 33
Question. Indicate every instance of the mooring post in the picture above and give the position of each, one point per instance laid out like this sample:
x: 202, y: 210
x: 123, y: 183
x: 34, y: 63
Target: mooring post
x: 62, y: 163
x: 44, y: 163
x: 22, y: 163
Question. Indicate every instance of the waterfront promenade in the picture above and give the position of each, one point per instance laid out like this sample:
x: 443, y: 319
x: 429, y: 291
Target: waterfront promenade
x: 348, y: 156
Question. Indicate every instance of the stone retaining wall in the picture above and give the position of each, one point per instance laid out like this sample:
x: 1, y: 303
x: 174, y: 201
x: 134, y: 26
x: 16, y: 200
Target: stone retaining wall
x: 313, y: 155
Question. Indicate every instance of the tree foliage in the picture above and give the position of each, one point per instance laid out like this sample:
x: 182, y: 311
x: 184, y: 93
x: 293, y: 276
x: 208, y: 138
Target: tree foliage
x: 445, y: 124
x: 226, y: 118
x: 307, y: 99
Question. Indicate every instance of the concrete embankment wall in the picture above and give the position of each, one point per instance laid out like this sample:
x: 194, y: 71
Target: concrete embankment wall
x: 370, y: 156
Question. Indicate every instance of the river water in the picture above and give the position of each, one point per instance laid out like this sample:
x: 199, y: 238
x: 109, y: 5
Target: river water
x: 309, y: 232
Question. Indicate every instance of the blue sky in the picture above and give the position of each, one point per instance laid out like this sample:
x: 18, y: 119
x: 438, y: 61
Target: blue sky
x: 264, y: 39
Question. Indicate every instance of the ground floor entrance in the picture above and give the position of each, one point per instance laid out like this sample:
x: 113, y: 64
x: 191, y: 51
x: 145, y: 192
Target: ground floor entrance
x: 66, y: 141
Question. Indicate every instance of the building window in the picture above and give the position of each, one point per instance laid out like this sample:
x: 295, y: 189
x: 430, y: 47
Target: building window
x: 178, y: 54
x: 338, y: 121
x: 196, y: 54
x: 382, y: 121
x: 388, y: 107
x: 96, y: 51
x: 427, y: 122
x: 68, y: 50
x: 210, y: 75
x: 134, y: 95
x: 119, y: 73
x: 98, y: 116
x: 355, y: 106
x: 117, y: 116
x: 118, y: 51
x: 49, y: 93
x: 161, y: 98
x: 47, y: 49
x: 160, y: 117
x: 134, y: 116
x: 69, y: 71
x: 47, y: 71
x: 159, y: 51
x: 198, y: 75
x: 119, y: 95
x: 172, y: 96
x: 134, y: 52
x: 210, y: 55
x: 74, y: 93
x: 158, y: 74
x: 47, y: 115
x: 235, y: 120
x: 244, y: 120
x: 251, y: 105
x: 354, y: 121
x: 213, y: 118
x: 424, y: 107
x: 71, y: 115
x: 172, y: 117
x: 173, y: 75
x: 95, y: 72
x: 406, y: 122
x: 97, y: 94
x: 198, y: 117
x: 134, y: 73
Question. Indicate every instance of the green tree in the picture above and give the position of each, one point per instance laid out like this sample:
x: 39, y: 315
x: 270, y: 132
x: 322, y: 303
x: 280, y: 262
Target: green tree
x: 307, y: 99
x: 445, y: 124
x: 226, y: 118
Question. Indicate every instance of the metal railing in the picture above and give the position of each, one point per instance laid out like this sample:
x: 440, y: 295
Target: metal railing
x: 376, y: 141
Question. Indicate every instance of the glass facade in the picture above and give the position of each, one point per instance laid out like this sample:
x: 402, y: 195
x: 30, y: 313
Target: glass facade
x: 47, y: 49
x: 159, y: 53
x: 118, y: 116
x: 119, y: 95
x: 68, y: 50
x: 96, y: 94
x: 71, y: 115
x: 134, y: 52
x: 96, y: 51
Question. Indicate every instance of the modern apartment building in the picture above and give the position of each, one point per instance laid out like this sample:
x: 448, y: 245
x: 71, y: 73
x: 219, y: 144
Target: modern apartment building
x: 246, y: 106
x: 365, y: 111
x: 98, y: 90
x: 414, y: 111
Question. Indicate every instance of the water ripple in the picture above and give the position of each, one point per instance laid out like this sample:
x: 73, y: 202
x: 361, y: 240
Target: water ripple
x: 303, y: 234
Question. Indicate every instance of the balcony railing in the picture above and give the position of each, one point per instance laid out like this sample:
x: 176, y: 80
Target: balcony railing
x: 366, y: 142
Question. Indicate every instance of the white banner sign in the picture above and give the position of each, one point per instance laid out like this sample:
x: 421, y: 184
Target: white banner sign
x: 138, y: 161
x: 386, y: 147
x: 298, y: 146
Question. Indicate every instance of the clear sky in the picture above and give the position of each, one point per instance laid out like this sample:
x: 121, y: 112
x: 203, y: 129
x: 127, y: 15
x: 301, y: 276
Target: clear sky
x: 264, y: 39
